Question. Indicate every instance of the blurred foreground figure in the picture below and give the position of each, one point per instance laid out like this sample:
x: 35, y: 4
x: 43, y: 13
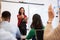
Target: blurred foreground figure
x: 49, y: 33
x: 7, y: 26
x: 5, y: 35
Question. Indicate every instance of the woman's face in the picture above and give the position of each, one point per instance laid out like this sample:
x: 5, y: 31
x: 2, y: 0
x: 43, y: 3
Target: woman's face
x: 22, y: 10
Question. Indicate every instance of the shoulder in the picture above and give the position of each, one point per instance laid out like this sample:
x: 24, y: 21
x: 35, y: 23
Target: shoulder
x: 32, y: 30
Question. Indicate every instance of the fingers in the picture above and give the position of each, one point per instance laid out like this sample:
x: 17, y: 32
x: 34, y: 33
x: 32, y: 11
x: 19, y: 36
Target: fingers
x: 50, y: 12
x: 50, y: 9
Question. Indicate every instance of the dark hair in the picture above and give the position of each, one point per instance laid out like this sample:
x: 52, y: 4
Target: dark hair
x: 6, y: 14
x: 36, y: 22
x: 20, y: 12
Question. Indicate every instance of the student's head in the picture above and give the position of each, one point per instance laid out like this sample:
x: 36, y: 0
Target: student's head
x: 36, y: 21
x: 6, y: 16
x: 21, y: 11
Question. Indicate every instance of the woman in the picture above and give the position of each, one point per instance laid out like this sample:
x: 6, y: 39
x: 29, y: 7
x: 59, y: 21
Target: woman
x: 22, y: 20
x: 36, y: 24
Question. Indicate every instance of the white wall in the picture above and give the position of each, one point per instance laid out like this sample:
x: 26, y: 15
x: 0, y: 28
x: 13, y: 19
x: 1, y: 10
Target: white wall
x: 30, y: 10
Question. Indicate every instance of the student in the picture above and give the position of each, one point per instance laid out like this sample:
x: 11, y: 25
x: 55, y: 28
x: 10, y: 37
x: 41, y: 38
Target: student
x: 9, y: 27
x: 22, y: 20
x: 49, y: 33
x: 36, y: 24
x: 5, y: 35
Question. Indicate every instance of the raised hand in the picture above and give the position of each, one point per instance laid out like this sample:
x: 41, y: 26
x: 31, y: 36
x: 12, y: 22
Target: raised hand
x: 50, y: 13
x: 22, y: 16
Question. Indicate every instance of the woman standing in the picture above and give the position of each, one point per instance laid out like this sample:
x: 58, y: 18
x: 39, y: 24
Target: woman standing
x: 22, y: 20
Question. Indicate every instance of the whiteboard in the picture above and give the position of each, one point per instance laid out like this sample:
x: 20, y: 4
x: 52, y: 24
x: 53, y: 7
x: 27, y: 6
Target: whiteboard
x: 30, y: 10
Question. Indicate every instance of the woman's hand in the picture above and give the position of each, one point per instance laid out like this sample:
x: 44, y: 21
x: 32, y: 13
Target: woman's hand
x: 22, y: 16
x: 50, y: 13
x: 25, y: 19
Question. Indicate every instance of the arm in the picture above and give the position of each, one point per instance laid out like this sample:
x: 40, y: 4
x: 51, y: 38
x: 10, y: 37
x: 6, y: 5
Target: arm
x: 48, y: 28
x: 54, y: 35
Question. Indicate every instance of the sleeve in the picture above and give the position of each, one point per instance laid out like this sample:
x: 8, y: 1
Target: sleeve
x: 31, y: 34
x: 54, y: 34
x: 18, y: 34
x: 47, y: 30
